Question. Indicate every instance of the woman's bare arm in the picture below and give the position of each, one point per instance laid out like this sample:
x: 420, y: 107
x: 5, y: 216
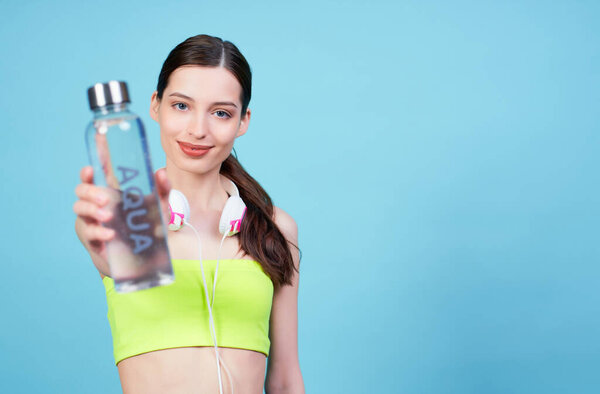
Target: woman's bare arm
x: 283, y: 368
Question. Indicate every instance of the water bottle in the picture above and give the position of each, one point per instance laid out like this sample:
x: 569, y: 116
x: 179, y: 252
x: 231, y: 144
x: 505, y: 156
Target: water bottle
x: 138, y: 255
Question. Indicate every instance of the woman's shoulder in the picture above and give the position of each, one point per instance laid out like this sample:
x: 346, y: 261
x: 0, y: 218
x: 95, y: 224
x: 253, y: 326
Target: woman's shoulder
x: 286, y: 223
x: 282, y: 218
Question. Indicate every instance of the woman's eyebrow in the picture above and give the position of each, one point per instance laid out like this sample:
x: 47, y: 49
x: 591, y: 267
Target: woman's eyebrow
x: 181, y: 95
x: 192, y: 100
x: 225, y: 103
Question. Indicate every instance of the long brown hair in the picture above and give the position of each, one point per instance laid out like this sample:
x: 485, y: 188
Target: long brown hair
x: 259, y: 235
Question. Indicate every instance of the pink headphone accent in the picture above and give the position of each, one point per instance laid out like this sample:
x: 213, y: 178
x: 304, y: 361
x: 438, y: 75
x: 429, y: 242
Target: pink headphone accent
x: 237, y: 224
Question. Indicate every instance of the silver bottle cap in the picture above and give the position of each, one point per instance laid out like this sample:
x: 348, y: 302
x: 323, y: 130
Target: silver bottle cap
x: 111, y: 92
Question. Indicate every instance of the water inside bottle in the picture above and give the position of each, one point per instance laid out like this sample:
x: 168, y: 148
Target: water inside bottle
x: 138, y: 252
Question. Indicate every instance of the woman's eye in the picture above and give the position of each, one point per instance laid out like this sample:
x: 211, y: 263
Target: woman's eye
x: 222, y: 114
x: 178, y: 106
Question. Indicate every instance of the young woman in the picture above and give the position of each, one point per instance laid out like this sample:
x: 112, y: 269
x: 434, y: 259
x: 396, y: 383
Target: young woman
x: 162, y: 346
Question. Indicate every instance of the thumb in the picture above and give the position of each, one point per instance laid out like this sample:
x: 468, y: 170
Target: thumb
x: 163, y: 185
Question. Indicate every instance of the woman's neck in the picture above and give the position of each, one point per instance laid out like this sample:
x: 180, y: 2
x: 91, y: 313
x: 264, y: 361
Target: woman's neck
x: 204, y: 192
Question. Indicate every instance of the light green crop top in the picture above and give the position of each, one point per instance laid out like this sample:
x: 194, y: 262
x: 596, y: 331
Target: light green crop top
x: 176, y: 315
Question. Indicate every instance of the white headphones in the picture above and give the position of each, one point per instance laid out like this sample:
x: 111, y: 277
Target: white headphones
x: 229, y: 224
x: 231, y: 217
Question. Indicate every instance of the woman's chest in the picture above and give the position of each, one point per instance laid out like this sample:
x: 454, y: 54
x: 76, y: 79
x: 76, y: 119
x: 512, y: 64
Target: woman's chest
x: 186, y: 244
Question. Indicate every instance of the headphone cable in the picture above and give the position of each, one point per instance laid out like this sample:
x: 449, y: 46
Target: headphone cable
x: 209, y: 307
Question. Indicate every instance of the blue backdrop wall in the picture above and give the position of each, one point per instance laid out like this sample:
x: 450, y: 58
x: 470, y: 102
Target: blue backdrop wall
x: 440, y: 159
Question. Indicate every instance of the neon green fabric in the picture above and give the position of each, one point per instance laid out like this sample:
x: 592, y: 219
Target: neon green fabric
x: 176, y: 315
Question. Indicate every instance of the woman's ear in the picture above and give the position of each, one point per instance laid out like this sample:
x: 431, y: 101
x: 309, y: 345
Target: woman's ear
x: 154, y: 104
x: 244, y: 123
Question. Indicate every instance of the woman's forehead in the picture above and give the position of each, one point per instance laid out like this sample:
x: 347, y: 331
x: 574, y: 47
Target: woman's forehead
x: 204, y: 83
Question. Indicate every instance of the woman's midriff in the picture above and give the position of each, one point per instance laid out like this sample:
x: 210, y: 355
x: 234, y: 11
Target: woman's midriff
x: 192, y: 370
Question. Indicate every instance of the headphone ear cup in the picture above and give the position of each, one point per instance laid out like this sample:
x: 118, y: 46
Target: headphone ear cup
x: 232, y: 216
x: 180, y: 209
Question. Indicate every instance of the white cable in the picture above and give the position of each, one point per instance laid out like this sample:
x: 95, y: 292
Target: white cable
x: 211, y: 305
x: 217, y: 269
x: 228, y: 373
x: 209, y: 308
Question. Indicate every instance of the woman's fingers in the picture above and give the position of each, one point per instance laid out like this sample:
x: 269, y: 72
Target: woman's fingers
x: 87, y: 209
x: 94, y: 233
x: 87, y: 174
x: 94, y: 207
x: 92, y: 193
x: 100, y: 195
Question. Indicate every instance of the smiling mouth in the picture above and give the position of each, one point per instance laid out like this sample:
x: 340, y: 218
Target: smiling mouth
x: 194, y: 150
x: 195, y: 147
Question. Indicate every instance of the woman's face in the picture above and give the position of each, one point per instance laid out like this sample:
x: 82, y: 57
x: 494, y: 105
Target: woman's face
x: 199, y: 117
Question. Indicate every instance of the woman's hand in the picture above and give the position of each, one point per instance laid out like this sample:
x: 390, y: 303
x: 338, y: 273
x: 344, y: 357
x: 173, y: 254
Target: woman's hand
x: 96, y: 205
x: 92, y: 209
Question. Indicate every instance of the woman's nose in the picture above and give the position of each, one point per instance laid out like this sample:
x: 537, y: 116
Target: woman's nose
x: 198, y: 127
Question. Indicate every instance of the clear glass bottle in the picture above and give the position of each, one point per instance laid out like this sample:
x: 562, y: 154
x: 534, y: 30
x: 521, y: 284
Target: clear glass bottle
x: 138, y: 255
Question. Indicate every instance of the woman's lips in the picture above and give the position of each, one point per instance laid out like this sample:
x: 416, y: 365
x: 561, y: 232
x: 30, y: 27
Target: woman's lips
x: 194, y: 150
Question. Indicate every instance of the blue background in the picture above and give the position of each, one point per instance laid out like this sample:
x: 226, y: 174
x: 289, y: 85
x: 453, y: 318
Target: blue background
x: 440, y: 159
